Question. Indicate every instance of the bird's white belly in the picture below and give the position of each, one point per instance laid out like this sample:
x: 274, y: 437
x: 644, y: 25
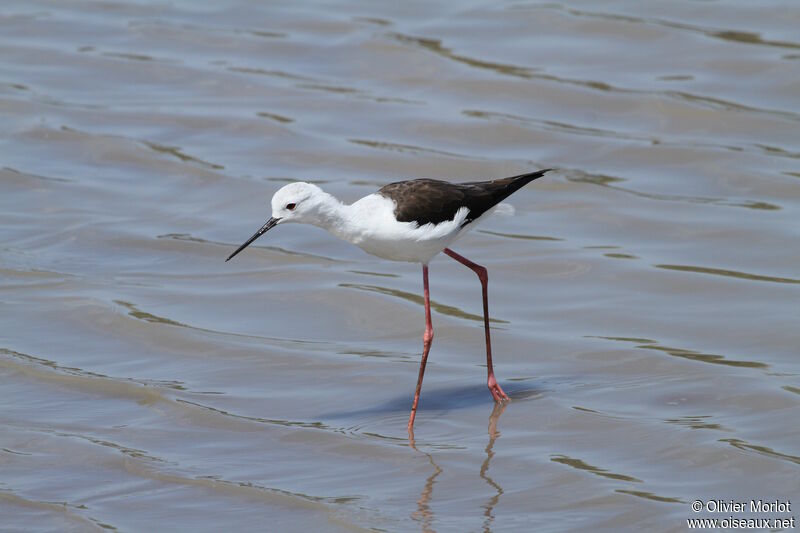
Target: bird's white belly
x: 406, y: 249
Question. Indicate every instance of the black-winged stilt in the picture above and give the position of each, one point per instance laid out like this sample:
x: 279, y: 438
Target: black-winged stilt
x: 404, y: 221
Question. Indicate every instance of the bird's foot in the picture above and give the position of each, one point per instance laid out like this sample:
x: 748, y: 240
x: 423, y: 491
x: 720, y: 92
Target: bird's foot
x: 497, y: 393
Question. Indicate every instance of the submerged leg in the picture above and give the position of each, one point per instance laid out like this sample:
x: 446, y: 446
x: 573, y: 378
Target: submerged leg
x: 483, y: 275
x: 427, y: 339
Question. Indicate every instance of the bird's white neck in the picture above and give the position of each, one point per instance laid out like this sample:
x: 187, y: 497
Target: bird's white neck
x: 355, y: 223
x: 336, y: 217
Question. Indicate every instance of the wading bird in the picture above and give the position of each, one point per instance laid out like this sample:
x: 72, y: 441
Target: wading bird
x: 404, y: 221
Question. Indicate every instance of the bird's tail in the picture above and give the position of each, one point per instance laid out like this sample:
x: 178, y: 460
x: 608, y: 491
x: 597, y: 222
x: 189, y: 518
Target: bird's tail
x: 505, y: 187
x: 515, y: 183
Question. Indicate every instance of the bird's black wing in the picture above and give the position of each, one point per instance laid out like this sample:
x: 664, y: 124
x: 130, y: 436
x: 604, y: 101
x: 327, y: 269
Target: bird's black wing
x: 427, y: 201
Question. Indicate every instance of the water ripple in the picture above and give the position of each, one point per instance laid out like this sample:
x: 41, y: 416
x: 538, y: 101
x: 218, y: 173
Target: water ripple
x: 692, y: 355
x: 728, y: 273
x: 581, y: 465
x: 71, y: 512
x: 737, y: 36
x: 580, y: 176
x: 762, y: 450
x: 395, y: 147
x: 419, y: 300
x: 519, y: 236
x: 650, y: 496
x: 435, y: 46
x: 573, y: 129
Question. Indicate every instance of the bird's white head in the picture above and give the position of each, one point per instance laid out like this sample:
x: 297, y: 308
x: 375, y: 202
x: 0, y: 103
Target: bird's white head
x: 297, y: 202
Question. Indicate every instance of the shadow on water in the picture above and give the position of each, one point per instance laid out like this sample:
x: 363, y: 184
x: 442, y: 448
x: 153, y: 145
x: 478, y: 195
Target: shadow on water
x: 440, y: 399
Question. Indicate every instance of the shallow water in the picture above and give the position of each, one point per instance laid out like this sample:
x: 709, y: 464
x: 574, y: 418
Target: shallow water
x: 644, y: 296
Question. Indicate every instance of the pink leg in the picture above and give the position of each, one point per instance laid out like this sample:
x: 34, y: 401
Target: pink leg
x: 427, y: 339
x: 494, y: 387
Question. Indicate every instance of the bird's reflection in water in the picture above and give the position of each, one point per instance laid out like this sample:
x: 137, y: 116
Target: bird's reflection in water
x: 488, y: 508
x: 424, y: 514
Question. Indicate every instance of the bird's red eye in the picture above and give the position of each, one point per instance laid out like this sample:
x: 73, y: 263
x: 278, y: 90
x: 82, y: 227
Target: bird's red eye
x: 290, y: 207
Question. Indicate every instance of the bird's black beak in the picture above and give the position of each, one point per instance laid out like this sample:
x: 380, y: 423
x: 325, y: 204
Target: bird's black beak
x: 266, y: 227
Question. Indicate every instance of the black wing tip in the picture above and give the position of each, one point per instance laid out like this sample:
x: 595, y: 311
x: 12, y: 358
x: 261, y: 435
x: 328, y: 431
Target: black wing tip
x: 534, y: 175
